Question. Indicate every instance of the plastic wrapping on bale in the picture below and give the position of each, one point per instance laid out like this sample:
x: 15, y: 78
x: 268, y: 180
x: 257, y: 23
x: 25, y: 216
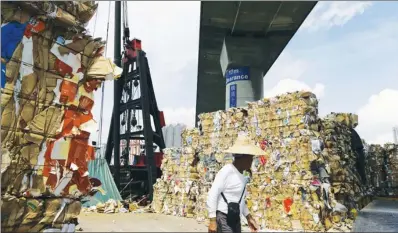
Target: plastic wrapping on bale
x: 46, y: 104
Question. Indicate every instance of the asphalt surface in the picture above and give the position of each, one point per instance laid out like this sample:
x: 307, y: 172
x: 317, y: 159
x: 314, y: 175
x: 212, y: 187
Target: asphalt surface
x: 133, y: 222
x: 378, y: 216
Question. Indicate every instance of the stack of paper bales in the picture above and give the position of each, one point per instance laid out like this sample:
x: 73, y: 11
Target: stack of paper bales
x: 161, y: 190
x: 50, y: 70
x: 382, y: 169
x: 341, y: 161
x: 289, y: 183
x: 218, y: 131
x: 176, y: 191
x: 391, y: 151
x: 375, y: 169
x: 306, y: 179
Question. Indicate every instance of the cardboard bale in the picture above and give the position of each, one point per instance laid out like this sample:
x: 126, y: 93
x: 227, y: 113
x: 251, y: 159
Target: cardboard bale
x: 176, y: 191
x: 12, y: 211
x: 281, y: 196
x: 41, y: 106
x: 391, y: 151
x: 218, y: 131
x: 375, y: 172
x: 341, y: 160
x: 306, y: 180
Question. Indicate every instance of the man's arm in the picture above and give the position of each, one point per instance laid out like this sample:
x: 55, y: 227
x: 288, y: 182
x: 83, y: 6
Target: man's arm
x: 251, y: 222
x: 214, y: 193
x: 245, y: 211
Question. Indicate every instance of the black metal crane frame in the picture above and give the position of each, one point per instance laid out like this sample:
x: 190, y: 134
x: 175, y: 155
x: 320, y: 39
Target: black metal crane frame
x: 136, y: 76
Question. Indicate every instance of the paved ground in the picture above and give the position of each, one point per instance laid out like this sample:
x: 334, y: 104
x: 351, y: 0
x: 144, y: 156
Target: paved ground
x: 380, y: 215
x: 132, y: 222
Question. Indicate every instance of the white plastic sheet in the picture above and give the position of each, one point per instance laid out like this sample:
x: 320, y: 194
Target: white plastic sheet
x: 27, y: 57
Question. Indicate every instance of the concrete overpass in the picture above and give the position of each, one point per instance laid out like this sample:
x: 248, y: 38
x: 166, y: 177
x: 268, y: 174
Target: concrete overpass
x: 247, y: 35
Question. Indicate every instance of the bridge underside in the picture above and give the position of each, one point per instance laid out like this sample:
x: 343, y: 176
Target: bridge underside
x: 274, y: 22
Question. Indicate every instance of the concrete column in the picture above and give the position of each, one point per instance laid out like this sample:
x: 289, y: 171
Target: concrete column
x: 242, y: 62
x: 243, y: 84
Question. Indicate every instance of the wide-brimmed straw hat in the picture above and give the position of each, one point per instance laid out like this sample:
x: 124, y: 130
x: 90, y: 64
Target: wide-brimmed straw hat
x: 243, y: 145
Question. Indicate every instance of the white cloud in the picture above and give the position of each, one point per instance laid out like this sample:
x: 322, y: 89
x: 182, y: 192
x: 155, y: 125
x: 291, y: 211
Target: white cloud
x: 184, y: 116
x: 378, y: 116
x: 287, y: 67
x: 291, y: 85
x: 169, y: 38
x: 328, y: 14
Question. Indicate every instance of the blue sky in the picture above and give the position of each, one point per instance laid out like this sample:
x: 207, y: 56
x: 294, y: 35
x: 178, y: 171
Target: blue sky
x: 345, y: 52
x: 346, y: 61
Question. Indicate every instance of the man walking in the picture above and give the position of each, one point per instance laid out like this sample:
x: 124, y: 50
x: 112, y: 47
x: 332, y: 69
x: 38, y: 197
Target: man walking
x: 226, y: 198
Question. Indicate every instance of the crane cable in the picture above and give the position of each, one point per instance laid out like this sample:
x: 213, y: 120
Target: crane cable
x: 125, y: 19
x: 103, y: 84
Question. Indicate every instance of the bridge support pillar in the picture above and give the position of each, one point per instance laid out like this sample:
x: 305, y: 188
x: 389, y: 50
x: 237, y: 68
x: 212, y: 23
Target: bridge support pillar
x: 242, y: 62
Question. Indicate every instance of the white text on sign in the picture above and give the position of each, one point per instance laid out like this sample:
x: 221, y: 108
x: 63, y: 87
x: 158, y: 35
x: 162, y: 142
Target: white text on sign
x: 238, y: 78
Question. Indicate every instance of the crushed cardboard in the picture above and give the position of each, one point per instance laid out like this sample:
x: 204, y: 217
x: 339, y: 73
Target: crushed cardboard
x: 305, y: 181
x: 46, y: 112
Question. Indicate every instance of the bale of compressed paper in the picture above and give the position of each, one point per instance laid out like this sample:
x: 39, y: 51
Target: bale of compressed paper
x: 283, y: 195
x: 69, y: 13
x: 160, y: 192
x: 391, y: 151
x: 46, y: 104
x: 20, y: 214
x: 218, y: 131
x: 162, y: 187
x: 176, y: 191
x: 341, y: 161
x: 382, y: 169
x: 292, y: 186
x: 375, y: 172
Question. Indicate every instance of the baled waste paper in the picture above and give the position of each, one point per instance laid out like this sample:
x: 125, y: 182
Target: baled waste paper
x: 392, y: 168
x: 382, y: 169
x: 291, y: 184
x: 50, y: 70
x: 218, y: 131
x: 176, y: 191
x: 305, y: 181
x: 375, y: 168
x: 341, y: 162
x: 286, y: 128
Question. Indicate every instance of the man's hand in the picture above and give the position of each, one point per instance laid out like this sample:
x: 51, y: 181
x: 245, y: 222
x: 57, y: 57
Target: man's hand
x: 252, y: 223
x: 213, y: 225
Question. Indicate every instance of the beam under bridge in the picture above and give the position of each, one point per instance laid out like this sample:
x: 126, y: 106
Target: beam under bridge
x: 248, y: 34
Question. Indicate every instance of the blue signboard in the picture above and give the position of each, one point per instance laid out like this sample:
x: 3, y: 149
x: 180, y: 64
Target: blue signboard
x: 232, y: 96
x: 237, y: 74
